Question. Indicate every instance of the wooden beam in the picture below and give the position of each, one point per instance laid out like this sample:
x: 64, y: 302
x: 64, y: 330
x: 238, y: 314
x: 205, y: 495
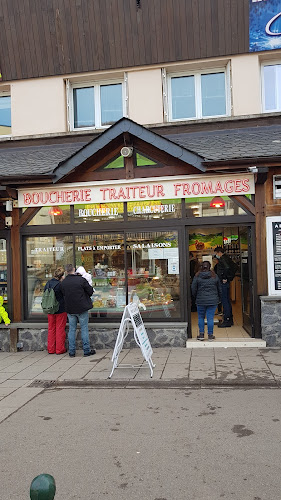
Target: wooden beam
x: 261, y: 240
x: 244, y: 202
x: 28, y: 214
x: 16, y: 265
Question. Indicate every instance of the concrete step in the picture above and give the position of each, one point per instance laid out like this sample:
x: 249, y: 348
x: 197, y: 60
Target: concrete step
x: 221, y: 342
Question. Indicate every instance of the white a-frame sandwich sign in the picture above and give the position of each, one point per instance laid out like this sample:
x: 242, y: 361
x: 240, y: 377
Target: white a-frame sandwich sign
x: 132, y: 315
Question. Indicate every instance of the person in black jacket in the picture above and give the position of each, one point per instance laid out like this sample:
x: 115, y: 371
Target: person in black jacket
x: 206, y: 289
x: 226, y: 270
x: 77, y: 292
x: 57, y: 321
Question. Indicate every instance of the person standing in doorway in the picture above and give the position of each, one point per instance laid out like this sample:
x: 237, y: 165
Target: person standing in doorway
x: 226, y: 270
x: 77, y: 292
x: 57, y: 321
x: 193, y: 267
x: 206, y: 289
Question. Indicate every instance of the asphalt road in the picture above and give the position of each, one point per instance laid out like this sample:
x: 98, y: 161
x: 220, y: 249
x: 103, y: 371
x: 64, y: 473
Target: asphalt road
x: 154, y: 444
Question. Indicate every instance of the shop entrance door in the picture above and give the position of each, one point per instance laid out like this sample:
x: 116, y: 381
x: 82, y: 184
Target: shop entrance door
x: 236, y: 241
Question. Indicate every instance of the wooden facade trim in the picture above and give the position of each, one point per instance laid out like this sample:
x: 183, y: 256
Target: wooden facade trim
x: 78, y: 37
x: 16, y: 265
x: 27, y: 215
x: 245, y: 203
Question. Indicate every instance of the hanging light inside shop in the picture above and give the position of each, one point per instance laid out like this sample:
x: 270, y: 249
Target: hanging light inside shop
x: 217, y: 202
x: 55, y: 211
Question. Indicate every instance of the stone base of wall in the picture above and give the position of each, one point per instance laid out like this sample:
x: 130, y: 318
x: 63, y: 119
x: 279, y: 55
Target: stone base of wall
x: 35, y: 339
x: 271, y: 321
x: 5, y: 339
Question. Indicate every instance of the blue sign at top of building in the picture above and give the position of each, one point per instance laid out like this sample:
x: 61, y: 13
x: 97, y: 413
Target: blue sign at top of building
x: 265, y: 25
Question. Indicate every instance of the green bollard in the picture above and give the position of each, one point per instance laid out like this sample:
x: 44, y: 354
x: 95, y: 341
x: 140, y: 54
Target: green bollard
x: 43, y: 487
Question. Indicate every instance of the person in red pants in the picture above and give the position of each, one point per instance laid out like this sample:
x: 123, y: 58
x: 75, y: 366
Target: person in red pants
x: 57, y: 321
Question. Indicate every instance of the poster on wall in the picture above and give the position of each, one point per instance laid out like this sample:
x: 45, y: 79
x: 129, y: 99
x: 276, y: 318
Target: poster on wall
x: 264, y: 25
x: 273, y: 236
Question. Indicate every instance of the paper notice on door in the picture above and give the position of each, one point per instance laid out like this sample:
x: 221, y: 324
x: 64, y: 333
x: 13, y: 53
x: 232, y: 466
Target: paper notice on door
x: 173, y: 266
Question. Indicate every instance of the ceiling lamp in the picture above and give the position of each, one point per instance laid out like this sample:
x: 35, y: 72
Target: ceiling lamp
x: 217, y: 202
x: 55, y: 211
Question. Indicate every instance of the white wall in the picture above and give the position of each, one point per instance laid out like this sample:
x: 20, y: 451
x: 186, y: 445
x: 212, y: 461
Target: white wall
x: 145, y: 96
x: 38, y: 106
x: 246, y: 84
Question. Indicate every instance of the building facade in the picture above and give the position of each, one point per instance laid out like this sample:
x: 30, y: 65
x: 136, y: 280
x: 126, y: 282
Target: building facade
x: 135, y: 136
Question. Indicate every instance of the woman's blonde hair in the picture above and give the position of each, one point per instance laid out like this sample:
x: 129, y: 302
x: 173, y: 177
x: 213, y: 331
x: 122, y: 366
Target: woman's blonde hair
x: 59, y: 272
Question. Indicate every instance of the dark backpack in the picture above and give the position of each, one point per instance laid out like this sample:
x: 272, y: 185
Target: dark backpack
x: 49, y: 303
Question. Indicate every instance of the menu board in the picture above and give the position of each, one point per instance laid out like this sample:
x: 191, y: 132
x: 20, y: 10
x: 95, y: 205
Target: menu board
x: 276, y: 236
x: 273, y: 243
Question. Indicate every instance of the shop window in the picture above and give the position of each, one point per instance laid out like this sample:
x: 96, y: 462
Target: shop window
x: 271, y: 87
x: 102, y: 255
x: 3, y: 274
x: 5, y: 114
x: 43, y: 255
x: 51, y: 215
x: 153, y: 273
x: 98, y: 212
x: 198, y: 95
x: 212, y: 207
x: 97, y: 105
x: 154, y: 209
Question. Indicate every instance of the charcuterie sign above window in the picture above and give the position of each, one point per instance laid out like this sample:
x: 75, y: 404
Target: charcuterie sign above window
x: 138, y: 190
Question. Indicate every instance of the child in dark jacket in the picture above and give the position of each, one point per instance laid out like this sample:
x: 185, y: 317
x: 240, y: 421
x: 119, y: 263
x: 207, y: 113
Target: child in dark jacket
x: 206, y: 289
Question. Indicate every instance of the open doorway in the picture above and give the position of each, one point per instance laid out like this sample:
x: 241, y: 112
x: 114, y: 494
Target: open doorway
x: 236, y: 242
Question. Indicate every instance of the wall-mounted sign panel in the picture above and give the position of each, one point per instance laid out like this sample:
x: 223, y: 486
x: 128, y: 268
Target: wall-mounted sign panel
x: 137, y: 190
x: 273, y: 238
x: 264, y: 25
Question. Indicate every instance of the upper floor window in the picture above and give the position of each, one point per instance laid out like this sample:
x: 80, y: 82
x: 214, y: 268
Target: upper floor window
x: 198, y: 95
x: 97, y: 105
x: 272, y: 87
x: 5, y: 114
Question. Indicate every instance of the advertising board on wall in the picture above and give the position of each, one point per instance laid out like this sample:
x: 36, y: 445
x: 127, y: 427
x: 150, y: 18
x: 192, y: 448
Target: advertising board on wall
x: 264, y: 25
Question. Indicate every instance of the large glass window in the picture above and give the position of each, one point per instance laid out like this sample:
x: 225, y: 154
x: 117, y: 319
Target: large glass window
x: 154, y: 209
x: 272, y: 87
x: 51, y: 215
x: 200, y: 95
x: 212, y: 206
x: 5, y: 115
x: 44, y: 254
x: 102, y: 255
x: 154, y: 274
x: 98, y: 212
x: 97, y: 105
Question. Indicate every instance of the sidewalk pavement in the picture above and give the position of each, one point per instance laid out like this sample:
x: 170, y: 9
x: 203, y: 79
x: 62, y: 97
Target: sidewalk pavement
x: 24, y: 375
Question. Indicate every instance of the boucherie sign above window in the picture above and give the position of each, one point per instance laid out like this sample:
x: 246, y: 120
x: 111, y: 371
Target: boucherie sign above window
x: 137, y: 190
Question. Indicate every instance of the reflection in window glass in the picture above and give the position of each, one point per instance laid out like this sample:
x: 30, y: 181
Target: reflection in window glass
x: 102, y: 255
x: 5, y: 115
x: 213, y: 94
x: 272, y: 87
x: 207, y: 207
x: 111, y: 103
x: 117, y: 163
x: 183, y: 97
x: 143, y: 161
x: 154, y: 209
x: 3, y: 274
x: 51, y: 215
x: 98, y: 212
x: 84, y: 107
x: 153, y: 273
x: 44, y: 254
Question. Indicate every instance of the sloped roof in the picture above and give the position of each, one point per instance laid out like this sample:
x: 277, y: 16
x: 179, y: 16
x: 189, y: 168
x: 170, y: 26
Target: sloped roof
x: 252, y: 142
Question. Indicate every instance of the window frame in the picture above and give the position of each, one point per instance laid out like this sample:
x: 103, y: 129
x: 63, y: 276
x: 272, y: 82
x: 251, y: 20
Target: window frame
x: 97, y: 101
x: 276, y: 62
x: 198, y: 92
x: 7, y: 93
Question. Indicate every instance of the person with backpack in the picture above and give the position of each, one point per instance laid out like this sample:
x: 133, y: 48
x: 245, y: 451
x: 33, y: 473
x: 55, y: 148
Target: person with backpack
x: 53, y: 305
x: 226, y: 270
x: 206, y: 289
